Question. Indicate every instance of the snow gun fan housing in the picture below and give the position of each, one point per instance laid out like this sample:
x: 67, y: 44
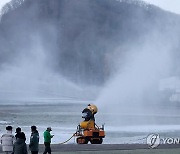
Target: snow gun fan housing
x: 88, y: 130
x: 89, y: 112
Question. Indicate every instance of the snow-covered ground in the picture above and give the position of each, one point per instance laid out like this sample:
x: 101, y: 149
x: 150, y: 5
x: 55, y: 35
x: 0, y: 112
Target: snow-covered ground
x: 64, y: 118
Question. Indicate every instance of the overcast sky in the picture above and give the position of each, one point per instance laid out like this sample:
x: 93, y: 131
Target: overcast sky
x: 170, y: 5
x: 2, y: 2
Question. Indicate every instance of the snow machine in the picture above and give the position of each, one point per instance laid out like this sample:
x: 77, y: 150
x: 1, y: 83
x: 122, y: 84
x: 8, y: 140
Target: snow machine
x: 87, y: 130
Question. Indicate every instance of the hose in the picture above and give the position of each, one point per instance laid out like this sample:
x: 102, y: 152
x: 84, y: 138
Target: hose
x: 68, y: 139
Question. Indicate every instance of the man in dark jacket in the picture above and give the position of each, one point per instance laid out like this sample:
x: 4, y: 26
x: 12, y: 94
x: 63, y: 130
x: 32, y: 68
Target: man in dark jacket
x: 20, y: 134
x: 47, y: 140
x: 20, y: 146
x: 34, y: 140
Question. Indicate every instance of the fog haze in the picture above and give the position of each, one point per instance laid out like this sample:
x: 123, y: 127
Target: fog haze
x: 106, y: 51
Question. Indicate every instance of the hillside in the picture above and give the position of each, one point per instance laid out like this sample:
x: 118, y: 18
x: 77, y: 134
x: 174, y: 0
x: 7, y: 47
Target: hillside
x: 79, y: 39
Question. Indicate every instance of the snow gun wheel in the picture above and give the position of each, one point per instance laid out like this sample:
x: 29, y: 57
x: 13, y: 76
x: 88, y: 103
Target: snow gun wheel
x: 82, y: 140
x: 96, y: 141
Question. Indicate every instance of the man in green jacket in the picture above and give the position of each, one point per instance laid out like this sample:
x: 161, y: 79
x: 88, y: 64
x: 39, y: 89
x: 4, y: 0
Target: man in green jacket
x: 47, y: 140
